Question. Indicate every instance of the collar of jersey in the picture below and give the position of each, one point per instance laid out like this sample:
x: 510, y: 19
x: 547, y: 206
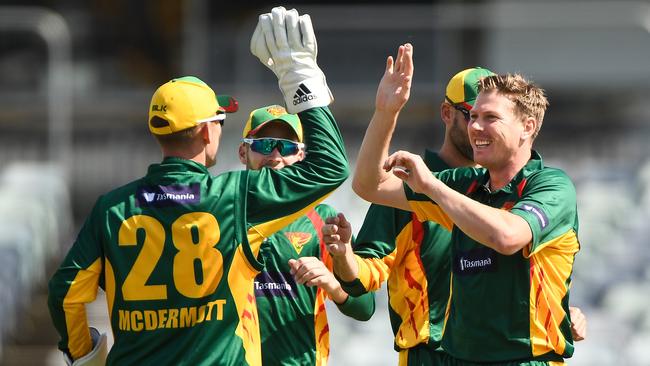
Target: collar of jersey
x: 173, y: 164
x: 534, y: 164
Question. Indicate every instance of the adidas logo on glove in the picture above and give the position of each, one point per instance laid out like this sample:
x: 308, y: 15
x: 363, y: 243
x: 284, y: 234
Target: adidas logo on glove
x: 302, y: 95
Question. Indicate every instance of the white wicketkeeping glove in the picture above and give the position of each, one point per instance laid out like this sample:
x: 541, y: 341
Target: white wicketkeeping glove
x: 285, y: 43
x: 96, y: 357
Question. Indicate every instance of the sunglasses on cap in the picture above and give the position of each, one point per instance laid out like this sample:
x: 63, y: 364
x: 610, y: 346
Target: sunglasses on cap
x: 460, y: 108
x: 266, y: 145
x: 219, y: 117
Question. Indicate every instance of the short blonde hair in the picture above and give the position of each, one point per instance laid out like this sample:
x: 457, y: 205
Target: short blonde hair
x: 529, y: 99
x: 178, y: 139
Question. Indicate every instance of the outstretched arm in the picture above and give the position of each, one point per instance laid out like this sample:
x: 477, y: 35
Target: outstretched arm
x: 284, y: 41
x: 371, y: 181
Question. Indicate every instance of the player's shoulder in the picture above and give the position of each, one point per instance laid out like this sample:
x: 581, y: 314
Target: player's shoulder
x: 550, y: 175
x: 552, y: 183
x: 120, y: 193
x: 228, y: 181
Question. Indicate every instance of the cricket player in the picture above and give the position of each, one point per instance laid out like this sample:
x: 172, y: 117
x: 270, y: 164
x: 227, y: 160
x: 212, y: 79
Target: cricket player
x: 513, y: 223
x: 293, y: 320
x: 177, y: 251
x: 413, y: 257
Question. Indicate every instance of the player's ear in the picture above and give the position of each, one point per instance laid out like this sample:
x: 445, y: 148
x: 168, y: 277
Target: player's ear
x: 301, y: 154
x: 446, y: 113
x: 530, y: 126
x: 243, y: 154
x: 206, y: 134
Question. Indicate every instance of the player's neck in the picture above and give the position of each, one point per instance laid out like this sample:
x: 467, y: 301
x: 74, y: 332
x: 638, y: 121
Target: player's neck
x: 196, y: 155
x: 502, y: 174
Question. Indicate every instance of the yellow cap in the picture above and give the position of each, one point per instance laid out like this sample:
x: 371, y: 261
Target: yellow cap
x: 181, y: 104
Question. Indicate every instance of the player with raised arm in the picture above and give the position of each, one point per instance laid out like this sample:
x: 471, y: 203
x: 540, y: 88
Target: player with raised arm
x: 473, y: 331
x: 293, y: 319
x: 413, y: 257
x: 176, y: 251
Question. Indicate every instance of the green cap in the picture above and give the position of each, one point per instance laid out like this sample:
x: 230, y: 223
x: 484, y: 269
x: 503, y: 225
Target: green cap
x: 463, y: 87
x: 261, y: 116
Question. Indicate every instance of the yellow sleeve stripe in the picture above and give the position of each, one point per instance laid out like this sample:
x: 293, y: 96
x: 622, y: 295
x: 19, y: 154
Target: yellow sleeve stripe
x: 550, y: 270
x: 448, y: 307
x: 240, y: 280
x: 568, y: 242
x: 429, y: 211
x: 408, y: 288
x: 83, y: 289
x: 109, y: 279
x: 374, y: 271
x: 257, y: 233
x: 321, y: 329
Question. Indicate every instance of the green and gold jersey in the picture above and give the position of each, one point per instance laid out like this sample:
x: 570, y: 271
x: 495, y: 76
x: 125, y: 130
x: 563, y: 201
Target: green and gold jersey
x: 293, y: 320
x: 413, y: 257
x: 511, y: 307
x: 176, y: 252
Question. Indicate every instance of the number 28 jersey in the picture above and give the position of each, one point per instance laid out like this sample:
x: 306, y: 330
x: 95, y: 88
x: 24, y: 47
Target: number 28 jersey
x: 175, y: 252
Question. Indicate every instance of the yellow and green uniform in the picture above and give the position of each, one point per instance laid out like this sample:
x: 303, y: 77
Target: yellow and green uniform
x: 511, y: 308
x: 293, y: 320
x: 176, y: 253
x: 413, y: 257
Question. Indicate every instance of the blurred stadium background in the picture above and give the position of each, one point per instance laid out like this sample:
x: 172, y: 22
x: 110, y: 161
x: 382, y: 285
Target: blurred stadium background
x: 76, y: 78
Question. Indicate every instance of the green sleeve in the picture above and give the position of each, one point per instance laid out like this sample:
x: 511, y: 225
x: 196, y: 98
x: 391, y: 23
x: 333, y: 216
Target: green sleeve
x: 353, y: 288
x: 278, y: 194
x: 548, y: 204
x: 359, y: 308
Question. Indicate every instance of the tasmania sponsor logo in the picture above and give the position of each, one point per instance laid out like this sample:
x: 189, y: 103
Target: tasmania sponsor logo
x: 474, y: 261
x: 168, y: 195
x: 270, y: 284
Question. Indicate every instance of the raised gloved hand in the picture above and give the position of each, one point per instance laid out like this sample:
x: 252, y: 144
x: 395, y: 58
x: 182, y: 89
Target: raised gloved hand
x: 96, y: 357
x: 285, y: 43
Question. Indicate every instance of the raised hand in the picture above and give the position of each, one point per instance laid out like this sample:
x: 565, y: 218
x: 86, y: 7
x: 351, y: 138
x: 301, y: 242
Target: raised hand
x: 284, y: 41
x: 395, y: 86
x: 337, y: 235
